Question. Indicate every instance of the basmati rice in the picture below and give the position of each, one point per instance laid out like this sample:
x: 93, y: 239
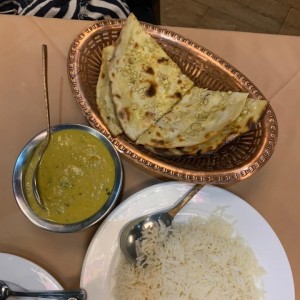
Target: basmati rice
x: 203, y: 259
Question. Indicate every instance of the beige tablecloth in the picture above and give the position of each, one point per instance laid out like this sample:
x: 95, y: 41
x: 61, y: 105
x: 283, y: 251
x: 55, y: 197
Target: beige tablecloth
x: 271, y: 62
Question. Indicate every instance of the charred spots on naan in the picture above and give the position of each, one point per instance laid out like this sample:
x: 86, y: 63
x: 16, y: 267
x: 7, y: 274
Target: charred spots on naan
x: 250, y: 124
x: 149, y: 70
x: 149, y: 115
x: 193, y: 149
x: 180, y: 138
x: 117, y: 96
x: 176, y: 95
x: 162, y: 60
x: 158, y: 143
x: 151, y: 90
x: 124, y: 114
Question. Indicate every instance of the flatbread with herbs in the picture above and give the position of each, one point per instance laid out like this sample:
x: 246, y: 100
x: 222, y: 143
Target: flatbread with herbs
x: 104, y: 102
x: 145, y: 82
x: 197, y: 118
x: 250, y: 115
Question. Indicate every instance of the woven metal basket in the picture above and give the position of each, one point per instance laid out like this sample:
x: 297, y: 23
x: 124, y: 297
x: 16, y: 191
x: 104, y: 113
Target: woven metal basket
x: 233, y: 162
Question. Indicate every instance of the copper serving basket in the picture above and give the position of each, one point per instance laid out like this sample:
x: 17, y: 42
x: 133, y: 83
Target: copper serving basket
x: 233, y: 162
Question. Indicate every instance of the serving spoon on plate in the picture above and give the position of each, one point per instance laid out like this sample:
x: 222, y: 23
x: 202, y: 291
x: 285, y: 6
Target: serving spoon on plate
x: 133, y: 230
x: 46, y: 141
x: 6, y: 292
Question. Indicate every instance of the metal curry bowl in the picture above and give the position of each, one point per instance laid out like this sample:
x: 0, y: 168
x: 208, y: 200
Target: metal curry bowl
x: 19, y: 182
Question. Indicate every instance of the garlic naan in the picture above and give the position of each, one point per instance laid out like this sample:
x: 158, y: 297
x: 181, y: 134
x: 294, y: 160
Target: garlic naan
x: 250, y: 115
x: 104, y: 102
x: 199, y: 116
x: 145, y: 83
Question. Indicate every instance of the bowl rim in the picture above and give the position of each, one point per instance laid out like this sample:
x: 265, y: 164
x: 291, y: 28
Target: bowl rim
x: 17, y: 181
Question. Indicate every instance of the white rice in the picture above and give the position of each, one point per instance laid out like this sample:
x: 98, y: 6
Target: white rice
x: 202, y: 259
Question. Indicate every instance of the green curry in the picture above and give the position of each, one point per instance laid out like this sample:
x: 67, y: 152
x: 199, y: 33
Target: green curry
x: 75, y: 177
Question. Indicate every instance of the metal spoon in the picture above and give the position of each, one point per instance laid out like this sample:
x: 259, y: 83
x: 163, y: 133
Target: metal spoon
x: 46, y: 141
x: 6, y: 292
x: 132, y: 231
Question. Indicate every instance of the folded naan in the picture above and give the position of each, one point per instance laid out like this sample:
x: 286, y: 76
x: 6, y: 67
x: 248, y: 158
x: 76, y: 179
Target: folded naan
x: 250, y: 115
x: 197, y: 118
x: 143, y: 93
x: 145, y: 82
x: 104, y: 102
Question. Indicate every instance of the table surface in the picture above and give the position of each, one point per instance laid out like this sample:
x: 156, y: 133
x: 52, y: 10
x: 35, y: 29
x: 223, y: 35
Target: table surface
x: 270, y: 61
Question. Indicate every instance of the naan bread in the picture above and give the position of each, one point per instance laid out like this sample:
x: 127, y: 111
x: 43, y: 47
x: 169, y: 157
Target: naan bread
x: 142, y: 92
x: 104, y: 102
x: 198, y: 117
x: 145, y: 82
x: 250, y: 115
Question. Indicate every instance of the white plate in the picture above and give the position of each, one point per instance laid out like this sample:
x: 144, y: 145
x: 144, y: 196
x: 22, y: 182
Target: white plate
x: 103, y: 252
x: 23, y: 275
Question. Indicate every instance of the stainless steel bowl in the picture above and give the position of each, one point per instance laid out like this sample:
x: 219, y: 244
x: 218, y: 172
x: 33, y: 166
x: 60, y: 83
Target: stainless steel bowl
x: 18, y: 182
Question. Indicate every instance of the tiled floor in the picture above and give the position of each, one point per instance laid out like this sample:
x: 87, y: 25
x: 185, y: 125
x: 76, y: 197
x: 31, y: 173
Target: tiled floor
x: 266, y: 16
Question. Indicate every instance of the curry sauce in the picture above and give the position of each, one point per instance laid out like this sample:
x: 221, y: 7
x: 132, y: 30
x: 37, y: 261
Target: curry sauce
x: 75, y: 177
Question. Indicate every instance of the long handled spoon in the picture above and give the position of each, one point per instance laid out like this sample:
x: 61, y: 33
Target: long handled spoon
x: 46, y: 141
x: 6, y: 292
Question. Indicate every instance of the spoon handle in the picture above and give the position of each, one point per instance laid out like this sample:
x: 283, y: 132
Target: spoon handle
x: 46, y: 96
x: 65, y: 295
x: 46, y: 141
x: 186, y: 198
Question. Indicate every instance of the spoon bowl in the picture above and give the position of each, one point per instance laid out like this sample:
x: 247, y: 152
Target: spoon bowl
x: 133, y: 230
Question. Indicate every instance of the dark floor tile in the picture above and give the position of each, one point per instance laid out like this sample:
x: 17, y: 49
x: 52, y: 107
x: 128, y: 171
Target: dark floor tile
x: 214, y: 19
x: 291, y: 25
x: 266, y: 16
x: 174, y: 13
